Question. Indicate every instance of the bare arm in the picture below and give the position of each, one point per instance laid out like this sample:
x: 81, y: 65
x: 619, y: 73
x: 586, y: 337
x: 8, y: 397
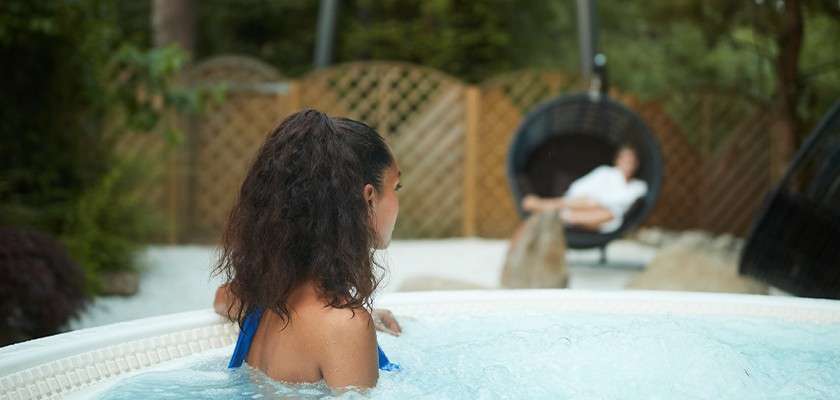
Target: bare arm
x: 384, y: 321
x: 349, y: 357
x: 222, y: 303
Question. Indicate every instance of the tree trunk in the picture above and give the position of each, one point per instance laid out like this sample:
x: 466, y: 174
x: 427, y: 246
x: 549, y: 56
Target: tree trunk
x: 787, y: 126
x: 173, y: 22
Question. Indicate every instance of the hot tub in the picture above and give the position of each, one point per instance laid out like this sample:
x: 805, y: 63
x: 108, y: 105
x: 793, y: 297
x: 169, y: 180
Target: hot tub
x: 532, y: 343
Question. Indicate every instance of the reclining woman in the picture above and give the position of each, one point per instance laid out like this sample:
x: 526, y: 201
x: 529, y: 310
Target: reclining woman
x: 297, y: 252
x: 598, y: 200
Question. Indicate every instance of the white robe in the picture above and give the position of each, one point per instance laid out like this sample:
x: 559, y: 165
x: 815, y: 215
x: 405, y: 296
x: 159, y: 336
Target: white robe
x: 607, y: 186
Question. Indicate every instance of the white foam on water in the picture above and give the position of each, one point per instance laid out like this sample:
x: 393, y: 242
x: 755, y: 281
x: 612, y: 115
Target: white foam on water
x: 538, y: 355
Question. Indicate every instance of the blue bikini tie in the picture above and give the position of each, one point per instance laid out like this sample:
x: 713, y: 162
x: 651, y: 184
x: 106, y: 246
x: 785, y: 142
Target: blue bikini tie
x: 249, y: 329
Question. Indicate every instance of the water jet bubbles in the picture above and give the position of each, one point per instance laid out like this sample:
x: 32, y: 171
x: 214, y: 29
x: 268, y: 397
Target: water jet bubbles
x: 570, y: 356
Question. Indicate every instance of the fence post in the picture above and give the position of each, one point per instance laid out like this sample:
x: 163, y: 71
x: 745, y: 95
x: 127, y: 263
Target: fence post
x: 294, y: 96
x: 176, y: 164
x: 171, y: 200
x: 473, y: 97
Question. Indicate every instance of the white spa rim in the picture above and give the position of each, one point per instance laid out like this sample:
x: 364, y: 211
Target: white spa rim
x: 56, y: 366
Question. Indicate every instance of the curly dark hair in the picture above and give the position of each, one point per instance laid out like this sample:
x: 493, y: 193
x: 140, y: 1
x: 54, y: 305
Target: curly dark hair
x: 301, y: 215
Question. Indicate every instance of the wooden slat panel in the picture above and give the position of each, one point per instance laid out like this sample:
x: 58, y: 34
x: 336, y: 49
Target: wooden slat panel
x: 452, y: 143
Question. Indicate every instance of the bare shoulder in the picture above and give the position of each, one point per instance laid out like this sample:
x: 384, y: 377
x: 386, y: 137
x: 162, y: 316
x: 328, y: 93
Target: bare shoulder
x: 346, y: 320
x: 347, y: 329
x: 349, y: 355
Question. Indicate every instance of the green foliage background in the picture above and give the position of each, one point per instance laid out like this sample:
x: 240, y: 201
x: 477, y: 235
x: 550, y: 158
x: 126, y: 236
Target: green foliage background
x: 72, y: 85
x: 78, y: 74
x: 655, y: 48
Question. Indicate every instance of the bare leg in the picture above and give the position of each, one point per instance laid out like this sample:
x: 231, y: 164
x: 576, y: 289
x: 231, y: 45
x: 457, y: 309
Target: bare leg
x: 581, y: 211
x: 532, y: 203
x: 588, y: 217
x: 582, y: 203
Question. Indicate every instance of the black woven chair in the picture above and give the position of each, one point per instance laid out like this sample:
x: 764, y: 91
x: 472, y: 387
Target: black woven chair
x: 565, y: 138
x: 794, y: 243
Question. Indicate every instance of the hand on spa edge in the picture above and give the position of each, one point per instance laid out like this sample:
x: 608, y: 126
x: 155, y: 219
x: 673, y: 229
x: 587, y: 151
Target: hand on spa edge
x: 384, y: 321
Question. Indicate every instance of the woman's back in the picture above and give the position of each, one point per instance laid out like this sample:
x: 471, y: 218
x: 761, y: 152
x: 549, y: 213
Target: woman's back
x: 298, y: 248
x: 319, y: 342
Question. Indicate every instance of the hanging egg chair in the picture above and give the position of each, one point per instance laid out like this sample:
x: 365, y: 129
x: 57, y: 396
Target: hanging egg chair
x: 565, y: 138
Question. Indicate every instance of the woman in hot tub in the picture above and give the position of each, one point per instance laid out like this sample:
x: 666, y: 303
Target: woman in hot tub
x: 297, y: 252
x: 598, y: 200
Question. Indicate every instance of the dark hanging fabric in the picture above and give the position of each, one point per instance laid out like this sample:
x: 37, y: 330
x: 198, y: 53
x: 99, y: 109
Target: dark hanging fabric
x: 794, y: 243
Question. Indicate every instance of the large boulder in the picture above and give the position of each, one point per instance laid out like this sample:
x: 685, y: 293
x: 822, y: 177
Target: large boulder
x: 426, y: 283
x: 119, y: 283
x: 698, y: 262
x: 537, y: 254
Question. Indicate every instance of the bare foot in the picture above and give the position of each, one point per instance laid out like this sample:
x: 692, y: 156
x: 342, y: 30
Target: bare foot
x: 531, y: 203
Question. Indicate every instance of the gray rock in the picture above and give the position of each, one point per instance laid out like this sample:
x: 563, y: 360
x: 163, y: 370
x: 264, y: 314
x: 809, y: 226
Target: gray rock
x: 693, y: 238
x: 653, y: 237
x: 659, y: 237
x: 426, y: 283
x: 120, y: 283
x: 723, y: 243
x: 537, y: 255
x: 696, y: 263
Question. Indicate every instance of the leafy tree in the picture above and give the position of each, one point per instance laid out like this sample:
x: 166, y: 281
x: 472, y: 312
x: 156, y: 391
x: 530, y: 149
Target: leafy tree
x: 469, y: 39
x: 776, y: 53
x: 76, y: 86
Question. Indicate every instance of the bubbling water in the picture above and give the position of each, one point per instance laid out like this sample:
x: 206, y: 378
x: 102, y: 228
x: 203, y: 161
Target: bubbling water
x: 553, y: 356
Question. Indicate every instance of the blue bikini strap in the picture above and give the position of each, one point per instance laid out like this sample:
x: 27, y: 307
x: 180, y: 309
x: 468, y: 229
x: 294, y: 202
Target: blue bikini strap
x: 246, y: 336
x: 249, y: 329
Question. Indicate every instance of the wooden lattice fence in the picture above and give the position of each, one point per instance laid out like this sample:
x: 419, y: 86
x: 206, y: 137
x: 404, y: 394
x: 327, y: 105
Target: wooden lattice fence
x: 451, y: 140
x: 504, y: 102
x: 422, y: 113
x: 731, y: 144
x: 223, y: 141
x: 677, y: 206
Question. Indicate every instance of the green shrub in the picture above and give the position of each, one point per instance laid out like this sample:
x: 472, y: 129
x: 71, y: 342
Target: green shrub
x: 74, y: 90
x: 107, y: 223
